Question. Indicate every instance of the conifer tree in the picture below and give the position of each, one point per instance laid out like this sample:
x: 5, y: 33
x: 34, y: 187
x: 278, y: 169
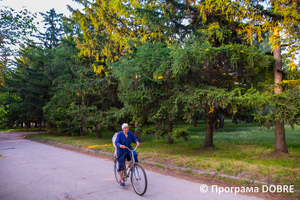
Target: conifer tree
x: 81, y: 101
x: 219, y: 58
x: 54, y: 29
x: 145, y: 90
x: 281, y: 20
x: 30, y: 84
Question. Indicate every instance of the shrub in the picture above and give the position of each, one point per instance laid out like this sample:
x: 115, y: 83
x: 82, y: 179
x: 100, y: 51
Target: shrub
x: 178, y: 133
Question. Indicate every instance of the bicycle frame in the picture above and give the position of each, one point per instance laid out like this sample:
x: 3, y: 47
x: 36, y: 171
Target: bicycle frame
x: 132, y: 156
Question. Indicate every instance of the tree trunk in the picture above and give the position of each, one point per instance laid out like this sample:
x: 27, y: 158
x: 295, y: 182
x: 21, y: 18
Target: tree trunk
x: 40, y: 125
x: 215, y: 119
x: 51, y: 127
x: 99, y: 135
x: 35, y: 124
x: 26, y: 126
x: 81, y: 131
x: 195, y: 120
x: 216, y: 126
x: 280, y: 144
x: 209, y: 128
x: 209, y: 117
x: 170, y: 129
x: 137, y: 133
x: 207, y: 72
x: 222, y: 123
x: 113, y: 95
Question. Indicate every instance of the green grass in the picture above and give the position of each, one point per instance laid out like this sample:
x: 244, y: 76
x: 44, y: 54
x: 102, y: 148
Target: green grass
x: 20, y: 129
x: 244, y: 150
x: 5, y: 130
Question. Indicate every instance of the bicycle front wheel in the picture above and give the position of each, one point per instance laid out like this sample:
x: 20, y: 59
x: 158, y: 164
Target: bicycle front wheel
x: 117, y: 175
x: 139, y: 179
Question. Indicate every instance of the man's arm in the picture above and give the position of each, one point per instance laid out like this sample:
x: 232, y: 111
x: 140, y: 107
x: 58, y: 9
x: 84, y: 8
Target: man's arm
x: 118, y: 140
x: 134, y: 139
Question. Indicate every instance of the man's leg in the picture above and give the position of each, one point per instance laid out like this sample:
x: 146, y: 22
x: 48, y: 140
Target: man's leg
x: 121, y: 176
x: 121, y: 160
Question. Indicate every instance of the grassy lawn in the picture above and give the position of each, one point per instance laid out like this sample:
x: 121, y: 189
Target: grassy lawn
x: 4, y: 130
x: 20, y: 129
x: 243, y: 150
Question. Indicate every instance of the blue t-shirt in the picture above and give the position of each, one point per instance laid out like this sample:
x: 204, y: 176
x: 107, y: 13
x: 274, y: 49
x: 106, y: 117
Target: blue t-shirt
x: 123, y: 140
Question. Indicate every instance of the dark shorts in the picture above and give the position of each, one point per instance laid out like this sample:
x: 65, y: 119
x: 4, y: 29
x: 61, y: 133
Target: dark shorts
x: 127, y: 156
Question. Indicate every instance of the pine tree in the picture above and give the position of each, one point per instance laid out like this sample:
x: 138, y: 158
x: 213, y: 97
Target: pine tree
x: 145, y: 90
x: 30, y: 84
x: 281, y: 20
x: 82, y: 98
x: 218, y: 59
x: 54, y: 29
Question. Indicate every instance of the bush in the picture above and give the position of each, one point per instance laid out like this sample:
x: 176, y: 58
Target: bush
x: 156, y: 130
x: 178, y: 133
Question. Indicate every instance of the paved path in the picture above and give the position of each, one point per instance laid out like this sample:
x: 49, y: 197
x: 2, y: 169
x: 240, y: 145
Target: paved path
x: 31, y: 170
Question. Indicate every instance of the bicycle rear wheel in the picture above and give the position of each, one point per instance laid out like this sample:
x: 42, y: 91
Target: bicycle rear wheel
x: 139, y: 179
x: 117, y: 175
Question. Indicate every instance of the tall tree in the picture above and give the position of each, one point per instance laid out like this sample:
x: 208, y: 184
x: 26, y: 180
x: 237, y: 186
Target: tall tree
x: 219, y: 61
x: 30, y: 84
x: 281, y: 20
x: 81, y: 97
x: 145, y: 90
x: 54, y: 29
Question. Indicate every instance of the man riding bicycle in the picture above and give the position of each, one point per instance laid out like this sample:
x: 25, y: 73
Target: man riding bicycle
x: 123, y: 140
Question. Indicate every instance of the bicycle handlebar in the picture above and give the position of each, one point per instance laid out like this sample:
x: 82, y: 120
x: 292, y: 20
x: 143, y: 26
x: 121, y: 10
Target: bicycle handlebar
x: 130, y: 149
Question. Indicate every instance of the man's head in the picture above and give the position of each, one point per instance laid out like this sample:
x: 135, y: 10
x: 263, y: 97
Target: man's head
x: 125, y: 128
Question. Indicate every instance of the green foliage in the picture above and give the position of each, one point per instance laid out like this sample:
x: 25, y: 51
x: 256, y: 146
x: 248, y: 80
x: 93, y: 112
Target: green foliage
x: 270, y: 107
x: 178, y: 133
x: 15, y: 26
x: 146, y: 84
x: 158, y: 130
x: 54, y: 31
x: 28, y: 87
x: 196, y: 99
x: 3, y: 108
x: 81, y: 102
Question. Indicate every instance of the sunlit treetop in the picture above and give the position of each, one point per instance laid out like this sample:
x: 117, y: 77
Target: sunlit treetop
x: 280, y: 19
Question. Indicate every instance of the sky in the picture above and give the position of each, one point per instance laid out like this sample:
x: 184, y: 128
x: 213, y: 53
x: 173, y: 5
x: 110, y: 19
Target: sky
x: 36, y: 6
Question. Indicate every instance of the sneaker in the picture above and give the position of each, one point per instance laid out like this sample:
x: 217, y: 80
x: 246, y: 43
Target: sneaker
x: 122, y: 184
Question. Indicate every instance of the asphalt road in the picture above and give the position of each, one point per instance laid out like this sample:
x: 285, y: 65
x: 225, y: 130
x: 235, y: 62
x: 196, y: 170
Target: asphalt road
x: 30, y: 170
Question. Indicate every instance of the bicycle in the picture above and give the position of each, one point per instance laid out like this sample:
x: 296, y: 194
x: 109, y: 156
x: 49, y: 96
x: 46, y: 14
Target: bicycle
x: 136, y: 172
